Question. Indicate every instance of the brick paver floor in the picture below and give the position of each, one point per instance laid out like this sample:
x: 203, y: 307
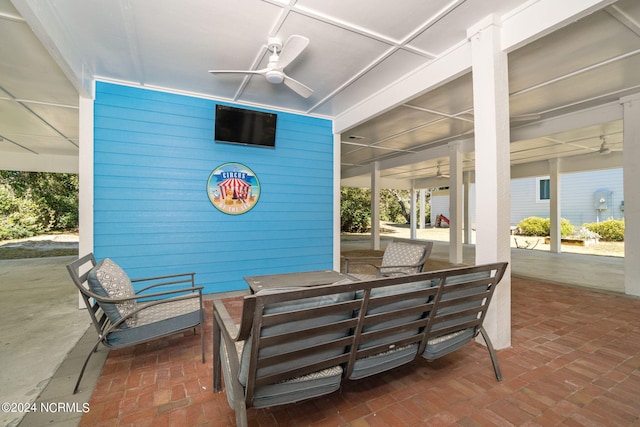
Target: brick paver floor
x: 574, y: 361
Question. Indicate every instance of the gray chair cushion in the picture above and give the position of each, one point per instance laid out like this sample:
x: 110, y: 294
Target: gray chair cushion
x: 442, y: 345
x: 438, y: 347
x: 294, y: 390
x: 394, y: 356
x: 157, y: 321
x: 401, y: 253
x: 107, y: 279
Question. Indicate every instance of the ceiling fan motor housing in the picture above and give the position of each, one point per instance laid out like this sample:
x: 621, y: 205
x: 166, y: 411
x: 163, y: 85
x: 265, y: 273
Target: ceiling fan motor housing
x: 274, y: 76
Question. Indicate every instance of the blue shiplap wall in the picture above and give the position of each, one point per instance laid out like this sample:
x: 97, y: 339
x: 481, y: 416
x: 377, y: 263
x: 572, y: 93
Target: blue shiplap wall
x: 154, y: 152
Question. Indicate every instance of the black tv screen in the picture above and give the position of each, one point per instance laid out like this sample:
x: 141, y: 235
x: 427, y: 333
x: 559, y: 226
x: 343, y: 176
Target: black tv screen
x: 249, y: 127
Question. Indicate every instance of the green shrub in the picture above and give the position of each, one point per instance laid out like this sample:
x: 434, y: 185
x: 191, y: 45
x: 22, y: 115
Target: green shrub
x: 536, y: 226
x: 355, y: 210
x: 18, y: 217
x: 611, y: 230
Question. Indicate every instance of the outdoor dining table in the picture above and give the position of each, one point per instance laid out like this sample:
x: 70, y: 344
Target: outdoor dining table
x: 285, y: 280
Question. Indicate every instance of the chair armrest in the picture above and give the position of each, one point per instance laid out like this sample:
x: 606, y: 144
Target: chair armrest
x: 401, y: 266
x: 360, y: 261
x: 226, y: 321
x: 185, y: 278
x: 146, y: 306
x: 99, y: 298
x: 225, y: 333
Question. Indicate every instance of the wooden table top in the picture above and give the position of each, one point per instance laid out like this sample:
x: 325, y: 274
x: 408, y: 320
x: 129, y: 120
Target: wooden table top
x: 285, y: 280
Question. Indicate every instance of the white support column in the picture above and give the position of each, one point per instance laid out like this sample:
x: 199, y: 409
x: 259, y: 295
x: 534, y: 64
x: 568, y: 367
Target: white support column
x: 491, y: 124
x: 468, y: 232
x: 554, y: 206
x: 85, y: 177
x: 423, y: 208
x: 413, y: 212
x: 631, y: 167
x: 337, y: 141
x: 375, y: 206
x: 455, y: 203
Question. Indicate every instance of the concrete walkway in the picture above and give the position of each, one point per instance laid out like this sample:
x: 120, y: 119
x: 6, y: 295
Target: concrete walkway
x: 588, y: 271
x: 39, y: 324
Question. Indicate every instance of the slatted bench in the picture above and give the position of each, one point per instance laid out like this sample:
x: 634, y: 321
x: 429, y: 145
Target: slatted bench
x: 296, y: 343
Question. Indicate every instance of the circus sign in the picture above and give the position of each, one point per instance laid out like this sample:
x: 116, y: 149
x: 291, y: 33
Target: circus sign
x: 233, y: 188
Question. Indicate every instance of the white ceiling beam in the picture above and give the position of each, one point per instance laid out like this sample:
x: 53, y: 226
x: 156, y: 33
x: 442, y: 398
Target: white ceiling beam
x: 538, y: 18
x: 409, y: 159
x: 521, y: 26
x: 43, y: 20
x: 26, y: 162
x: 624, y: 18
x: 588, y: 117
x: 587, y: 162
x: 436, y: 73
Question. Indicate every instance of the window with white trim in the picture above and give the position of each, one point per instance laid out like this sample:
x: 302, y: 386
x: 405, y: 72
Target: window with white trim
x: 543, y: 189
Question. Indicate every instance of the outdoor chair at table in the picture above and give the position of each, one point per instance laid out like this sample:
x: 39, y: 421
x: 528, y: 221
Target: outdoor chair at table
x: 401, y: 257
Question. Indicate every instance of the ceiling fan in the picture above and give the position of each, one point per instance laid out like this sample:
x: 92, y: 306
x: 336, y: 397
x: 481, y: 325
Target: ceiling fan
x: 439, y: 173
x: 603, y: 147
x: 606, y: 147
x: 278, y: 61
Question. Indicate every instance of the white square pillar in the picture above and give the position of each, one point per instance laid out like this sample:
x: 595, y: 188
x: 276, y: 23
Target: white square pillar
x: 455, y: 203
x: 631, y: 168
x: 493, y: 198
x: 554, y: 206
x: 375, y: 206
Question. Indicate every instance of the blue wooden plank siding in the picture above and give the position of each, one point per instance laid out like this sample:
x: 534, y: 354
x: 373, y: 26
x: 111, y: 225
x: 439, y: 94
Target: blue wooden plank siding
x: 154, y: 152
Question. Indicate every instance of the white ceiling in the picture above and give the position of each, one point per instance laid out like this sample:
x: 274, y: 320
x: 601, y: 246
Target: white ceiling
x: 359, y: 49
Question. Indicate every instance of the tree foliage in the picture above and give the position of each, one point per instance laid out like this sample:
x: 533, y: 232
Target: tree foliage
x: 355, y: 208
x: 32, y: 203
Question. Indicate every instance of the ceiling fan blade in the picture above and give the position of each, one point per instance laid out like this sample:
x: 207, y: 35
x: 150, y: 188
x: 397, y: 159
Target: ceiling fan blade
x: 298, y: 87
x: 292, y: 48
x: 262, y: 72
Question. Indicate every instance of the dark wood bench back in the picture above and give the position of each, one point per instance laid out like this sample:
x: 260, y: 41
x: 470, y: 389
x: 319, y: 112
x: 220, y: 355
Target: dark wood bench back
x: 297, y: 331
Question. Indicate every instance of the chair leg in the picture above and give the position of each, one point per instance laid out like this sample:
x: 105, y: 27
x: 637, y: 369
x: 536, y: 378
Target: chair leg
x: 93, y: 350
x: 202, y: 322
x: 241, y: 414
x: 202, y: 340
x: 492, y: 354
x: 217, y: 362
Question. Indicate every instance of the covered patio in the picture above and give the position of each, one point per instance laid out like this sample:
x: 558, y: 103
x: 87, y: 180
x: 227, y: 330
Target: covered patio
x: 482, y: 103
x: 574, y: 359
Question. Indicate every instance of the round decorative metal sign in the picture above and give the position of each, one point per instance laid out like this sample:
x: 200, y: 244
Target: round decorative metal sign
x: 233, y: 188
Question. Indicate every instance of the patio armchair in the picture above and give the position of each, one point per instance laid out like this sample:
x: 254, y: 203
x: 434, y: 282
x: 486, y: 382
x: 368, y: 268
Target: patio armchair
x: 123, y: 317
x: 401, y: 257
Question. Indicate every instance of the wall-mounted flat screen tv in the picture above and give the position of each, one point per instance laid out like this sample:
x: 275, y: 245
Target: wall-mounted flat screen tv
x: 239, y: 126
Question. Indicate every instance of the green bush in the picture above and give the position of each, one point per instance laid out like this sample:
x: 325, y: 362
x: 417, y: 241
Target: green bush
x: 33, y: 203
x: 355, y: 210
x: 18, y: 217
x: 536, y: 226
x: 611, y: 230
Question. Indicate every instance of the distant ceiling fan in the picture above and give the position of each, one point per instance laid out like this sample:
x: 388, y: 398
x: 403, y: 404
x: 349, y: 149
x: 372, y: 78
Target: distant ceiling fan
x: 278, y: 61
x: 604, y: 149
x: 439, y: 173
